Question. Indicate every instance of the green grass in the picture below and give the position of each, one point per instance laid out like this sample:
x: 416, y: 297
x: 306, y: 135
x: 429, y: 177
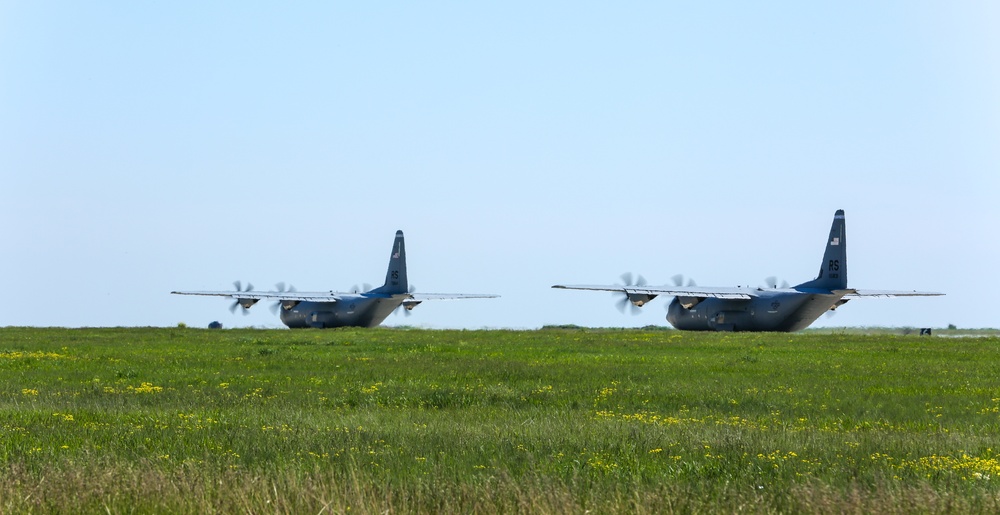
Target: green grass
x: 557, y: 420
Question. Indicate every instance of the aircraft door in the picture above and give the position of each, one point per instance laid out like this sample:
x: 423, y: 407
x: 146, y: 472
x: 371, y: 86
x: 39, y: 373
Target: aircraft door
x: 318, y: 319
x: 730, y: 321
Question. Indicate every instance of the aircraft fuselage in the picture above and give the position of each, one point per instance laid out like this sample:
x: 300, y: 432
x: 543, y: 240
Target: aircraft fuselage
x: 768, y: 310
x: 354, y: 312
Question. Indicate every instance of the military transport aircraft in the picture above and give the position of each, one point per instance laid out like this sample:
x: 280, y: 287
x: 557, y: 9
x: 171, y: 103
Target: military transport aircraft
x: 696, y: 308
x: 339, y: 309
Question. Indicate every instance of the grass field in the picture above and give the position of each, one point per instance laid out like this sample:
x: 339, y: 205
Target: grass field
x: 558, y: 420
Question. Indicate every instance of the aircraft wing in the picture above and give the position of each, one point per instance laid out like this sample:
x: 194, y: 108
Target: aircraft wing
x: 450, y: 296
x: 675, y: 291
x: 306, y: 296
x: 329, y: 296
x: 855, y: 293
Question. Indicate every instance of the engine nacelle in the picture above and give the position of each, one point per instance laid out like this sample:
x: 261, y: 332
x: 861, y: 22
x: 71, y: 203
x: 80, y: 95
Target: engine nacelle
x: 410, y: 304
x: 689, y: 302
x: 247, y: 303
x: 640, y: 299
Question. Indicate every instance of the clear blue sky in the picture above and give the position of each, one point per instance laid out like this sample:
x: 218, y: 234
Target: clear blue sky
x: 147, y: 147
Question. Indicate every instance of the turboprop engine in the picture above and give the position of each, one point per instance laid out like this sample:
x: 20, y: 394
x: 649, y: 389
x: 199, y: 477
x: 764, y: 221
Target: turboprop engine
x: 640, y: 299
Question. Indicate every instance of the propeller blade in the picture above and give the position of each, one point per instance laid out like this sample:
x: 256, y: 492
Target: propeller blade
x: 630, y: 279
x: 622, y: 301
x: 401, y: 308
x: 239, y: 288
x: 772, y: 282
x: 236, y: 304
x: 679, y: 281
x: 275, y: 306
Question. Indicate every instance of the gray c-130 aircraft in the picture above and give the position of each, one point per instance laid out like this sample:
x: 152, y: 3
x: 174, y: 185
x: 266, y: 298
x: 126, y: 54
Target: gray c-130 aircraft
x: 696, y: 308
x: 341, y: 309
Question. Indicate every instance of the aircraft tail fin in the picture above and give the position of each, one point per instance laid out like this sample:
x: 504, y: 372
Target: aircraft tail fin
x: 833, y: 270
x: 395, y: 276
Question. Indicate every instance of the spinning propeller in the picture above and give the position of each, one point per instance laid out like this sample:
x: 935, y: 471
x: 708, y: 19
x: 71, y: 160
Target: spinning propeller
x: 407, y: 305
x: 624, y: 300
x: 833, y: 311
x: 242, y: 303
x: 687, y: 302
x: 281, y: 288
x: 772, y: 282
x: 679, y: 281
